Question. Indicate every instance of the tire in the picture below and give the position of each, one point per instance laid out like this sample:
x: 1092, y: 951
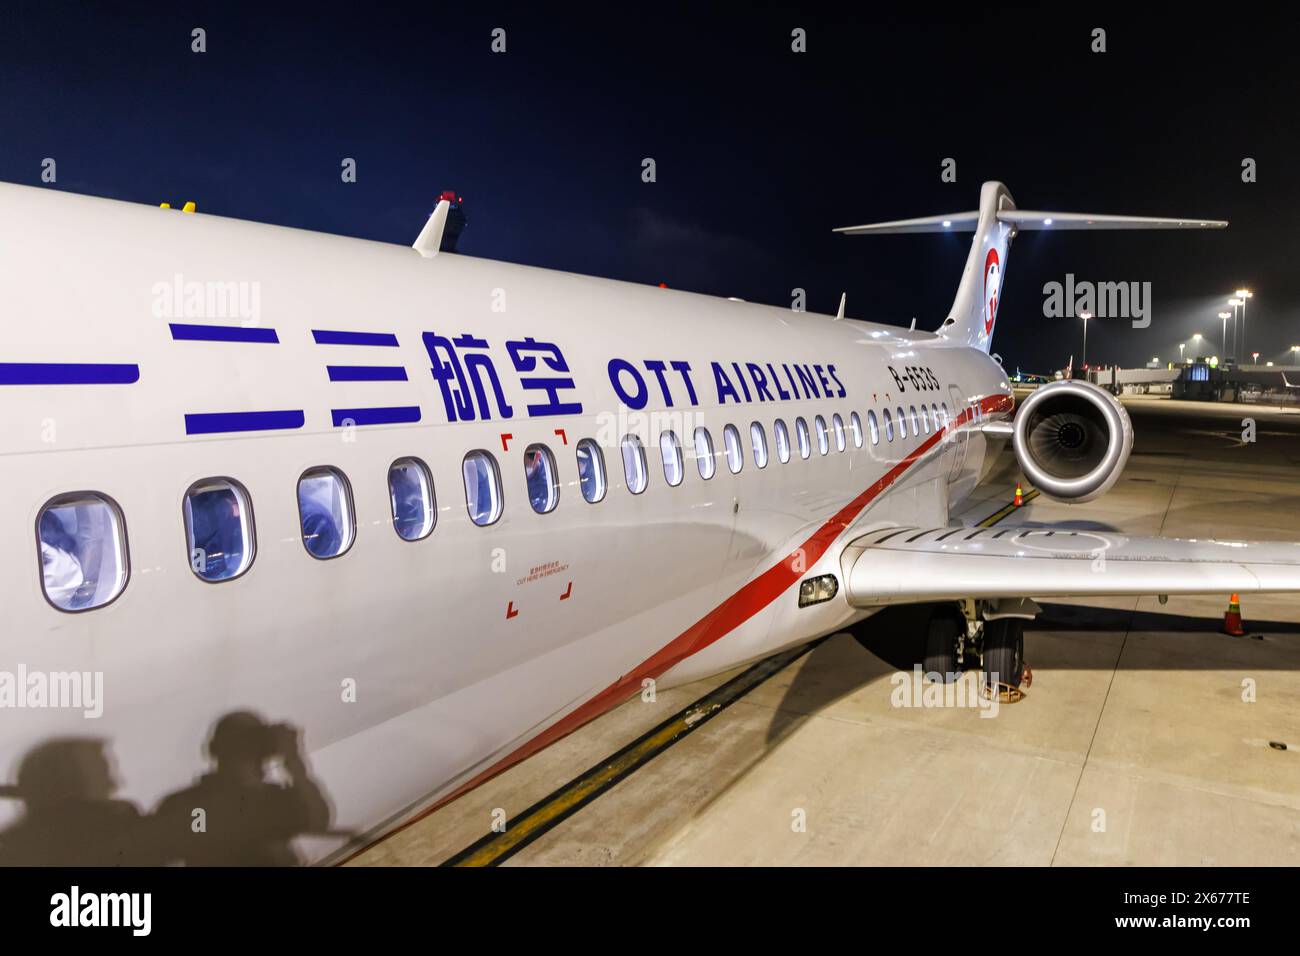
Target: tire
x: 944, y: 630
x: 1004, y: 652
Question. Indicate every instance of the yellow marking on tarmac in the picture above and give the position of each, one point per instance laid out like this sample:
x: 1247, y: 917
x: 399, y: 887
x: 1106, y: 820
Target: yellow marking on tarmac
x: 573, y: 796
x: 997, y: 516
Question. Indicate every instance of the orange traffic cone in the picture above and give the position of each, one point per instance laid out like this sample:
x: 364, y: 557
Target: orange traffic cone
x: 1020, y: 495
x: 1232, y: 618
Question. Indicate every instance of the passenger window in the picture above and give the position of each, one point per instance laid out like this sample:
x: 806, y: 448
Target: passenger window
x: 591, y: 470
x: 916, y: 422
x: 482, y: 487
x: 925, y: 421
x: 410, y: 491
x: 838, y: 424
x: 889, y: 426
x: 782, y: 440
x: 801, y: 434
x: 704, y: 459
x: 634, y: 466
x: 902, y: 423
x: 946, y: 419
x: 671, y: 451
x: 823, y: 437
x: 874, y: 426
x: 758, y: 438
x: 855, y: 428
x: 540, y: 475
x: 218, y: 529
x: 934, y: 413
x: 325, y: 510
x: 735, y: 456
x: 82, y: 544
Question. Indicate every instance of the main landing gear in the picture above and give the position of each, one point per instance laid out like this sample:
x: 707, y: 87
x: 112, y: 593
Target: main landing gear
x: 991, y: 633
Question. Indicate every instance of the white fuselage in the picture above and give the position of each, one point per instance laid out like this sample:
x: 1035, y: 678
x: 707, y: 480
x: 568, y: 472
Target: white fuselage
x: 467, y: 649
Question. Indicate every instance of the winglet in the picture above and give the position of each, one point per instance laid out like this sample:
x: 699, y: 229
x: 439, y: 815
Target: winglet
x: 429, y: 241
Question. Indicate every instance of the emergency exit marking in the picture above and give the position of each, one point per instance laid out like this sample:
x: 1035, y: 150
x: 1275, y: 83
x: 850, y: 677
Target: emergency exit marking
x: 567, y: 592
x: 505, y: 440
x: 510, y: 611
x: 563, y: 437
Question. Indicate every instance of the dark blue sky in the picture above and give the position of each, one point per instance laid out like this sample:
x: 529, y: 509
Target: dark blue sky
x: 759, y: 151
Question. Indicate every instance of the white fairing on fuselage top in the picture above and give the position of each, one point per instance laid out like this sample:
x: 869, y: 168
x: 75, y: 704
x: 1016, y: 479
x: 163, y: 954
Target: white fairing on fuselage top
x: 460, y: 646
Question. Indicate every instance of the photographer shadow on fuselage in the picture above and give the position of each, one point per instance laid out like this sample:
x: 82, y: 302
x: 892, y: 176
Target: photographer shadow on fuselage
x: 70, y: 816
x: 248, y: 809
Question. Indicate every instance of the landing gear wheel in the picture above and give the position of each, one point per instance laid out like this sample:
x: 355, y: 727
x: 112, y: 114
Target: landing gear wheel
x: 945, y: 629
x: 1004, y: 659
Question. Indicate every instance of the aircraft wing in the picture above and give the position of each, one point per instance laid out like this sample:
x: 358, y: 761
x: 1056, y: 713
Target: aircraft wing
x: 915, y: 565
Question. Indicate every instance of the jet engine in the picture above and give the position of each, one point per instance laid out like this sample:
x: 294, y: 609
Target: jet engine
x: 1072, y: 440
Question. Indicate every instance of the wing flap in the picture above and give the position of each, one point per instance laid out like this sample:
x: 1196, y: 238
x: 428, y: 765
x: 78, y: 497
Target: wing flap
x: 913, y: 566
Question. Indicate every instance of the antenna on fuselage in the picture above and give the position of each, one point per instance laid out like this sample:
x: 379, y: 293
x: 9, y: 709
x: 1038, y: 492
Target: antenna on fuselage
x: 443, y: 228
x: 844, y: 296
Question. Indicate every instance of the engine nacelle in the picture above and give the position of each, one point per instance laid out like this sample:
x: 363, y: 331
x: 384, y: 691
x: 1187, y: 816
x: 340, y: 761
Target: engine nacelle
x: 1072, y: 440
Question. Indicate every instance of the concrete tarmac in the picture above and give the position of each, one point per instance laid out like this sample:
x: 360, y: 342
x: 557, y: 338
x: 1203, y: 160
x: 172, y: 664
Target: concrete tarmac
x: 1147, y: 738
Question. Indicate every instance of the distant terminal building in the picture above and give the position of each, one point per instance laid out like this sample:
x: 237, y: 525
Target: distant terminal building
x: 1249, y: 384
x: 1132, y: 381
x: 1201, y: 381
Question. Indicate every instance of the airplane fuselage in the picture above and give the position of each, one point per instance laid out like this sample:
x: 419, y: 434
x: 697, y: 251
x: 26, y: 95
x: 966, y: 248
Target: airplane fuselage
x: 415, y: 668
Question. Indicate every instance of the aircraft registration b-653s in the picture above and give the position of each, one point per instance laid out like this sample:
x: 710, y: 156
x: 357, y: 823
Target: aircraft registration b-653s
x: 334, y: 530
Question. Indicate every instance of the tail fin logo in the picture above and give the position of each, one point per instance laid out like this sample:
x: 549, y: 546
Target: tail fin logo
x: 992, y: 289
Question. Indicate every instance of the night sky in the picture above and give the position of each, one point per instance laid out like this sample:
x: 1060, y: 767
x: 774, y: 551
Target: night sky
x: 760, y: 151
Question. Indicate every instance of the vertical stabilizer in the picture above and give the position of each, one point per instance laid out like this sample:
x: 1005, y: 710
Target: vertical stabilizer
x: 974, y: 309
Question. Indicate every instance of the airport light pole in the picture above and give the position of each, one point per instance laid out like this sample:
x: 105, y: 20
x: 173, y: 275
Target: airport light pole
x: 1243, y: 295
x: 1085, y: 315
x: 1196, y: 345
x: 1225, y: 316
x: 1181, y: 346
x: 1236, y: 331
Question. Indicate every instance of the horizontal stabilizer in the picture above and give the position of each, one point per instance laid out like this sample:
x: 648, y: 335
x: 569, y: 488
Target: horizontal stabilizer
x: 950, y: 222
x: 1029, y: 219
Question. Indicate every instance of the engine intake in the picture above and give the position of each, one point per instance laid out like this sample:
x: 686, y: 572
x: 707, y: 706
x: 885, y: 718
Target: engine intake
x: 1072, y: 440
